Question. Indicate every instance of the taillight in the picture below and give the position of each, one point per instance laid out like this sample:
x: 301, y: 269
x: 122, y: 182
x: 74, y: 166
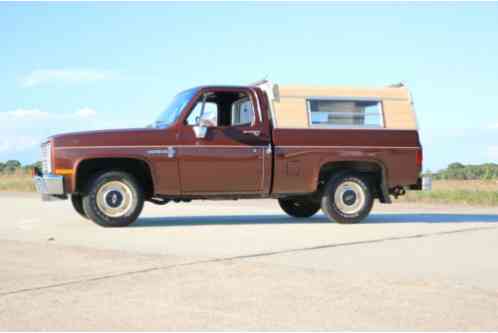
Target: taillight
x: 419, y: 158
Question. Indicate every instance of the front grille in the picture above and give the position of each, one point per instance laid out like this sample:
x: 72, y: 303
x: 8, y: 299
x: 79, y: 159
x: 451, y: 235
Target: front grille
x: 46, y: 158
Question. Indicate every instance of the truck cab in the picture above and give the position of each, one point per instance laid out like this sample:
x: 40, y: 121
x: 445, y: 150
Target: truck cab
x: 330, y: 148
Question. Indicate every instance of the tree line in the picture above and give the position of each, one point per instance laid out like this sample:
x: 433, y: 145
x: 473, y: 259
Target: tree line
x: 12, y: 166
x: 459, y: 171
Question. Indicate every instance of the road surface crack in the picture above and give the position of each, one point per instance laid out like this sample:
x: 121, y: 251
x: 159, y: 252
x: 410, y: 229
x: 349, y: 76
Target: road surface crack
x: 241, y: 257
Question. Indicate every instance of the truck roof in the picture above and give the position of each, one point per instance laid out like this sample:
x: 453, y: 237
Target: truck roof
x: 395, y: 91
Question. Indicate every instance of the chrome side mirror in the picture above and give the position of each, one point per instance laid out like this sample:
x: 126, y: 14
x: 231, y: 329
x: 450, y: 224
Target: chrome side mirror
x: 200, y: 131
x: 203, y: 123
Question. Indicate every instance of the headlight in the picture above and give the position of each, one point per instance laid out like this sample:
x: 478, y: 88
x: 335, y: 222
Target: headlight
x: 46, y: 157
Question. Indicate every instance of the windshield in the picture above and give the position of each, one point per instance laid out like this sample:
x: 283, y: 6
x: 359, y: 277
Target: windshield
x: 168, y: 116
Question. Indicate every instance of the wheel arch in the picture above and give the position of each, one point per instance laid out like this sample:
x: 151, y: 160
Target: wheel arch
x: 139, y: 168
x: 376, y: 170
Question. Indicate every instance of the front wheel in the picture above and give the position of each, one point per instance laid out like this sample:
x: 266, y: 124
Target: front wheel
x: 113, y: 199
x: 347, y: 199
x: 299, y: 207
x: 77, y: 201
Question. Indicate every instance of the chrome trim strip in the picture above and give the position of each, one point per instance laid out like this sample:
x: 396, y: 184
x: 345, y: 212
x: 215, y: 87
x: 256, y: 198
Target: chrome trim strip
x: 220, y: 146
x: 238, y: 147
x: 348, y: 147
x: 147, y: 147
x: 107, y: 147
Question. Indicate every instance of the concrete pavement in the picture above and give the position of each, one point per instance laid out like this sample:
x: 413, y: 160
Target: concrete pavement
x: 246, y: 265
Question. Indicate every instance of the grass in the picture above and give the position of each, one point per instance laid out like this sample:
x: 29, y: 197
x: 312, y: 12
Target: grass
x: 467, y: 192
x: 19, y: 181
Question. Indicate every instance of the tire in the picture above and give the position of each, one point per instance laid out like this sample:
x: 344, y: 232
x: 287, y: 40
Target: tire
x: 347, y: 198
x: 299, y: 207
x: 77, y: 201
x: 113, y: 199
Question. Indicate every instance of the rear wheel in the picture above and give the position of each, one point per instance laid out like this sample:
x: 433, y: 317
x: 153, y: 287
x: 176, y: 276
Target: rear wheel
x: 347, y: 198
x: 299, y: 207
x: 77, y: 201
x: 113, y: 199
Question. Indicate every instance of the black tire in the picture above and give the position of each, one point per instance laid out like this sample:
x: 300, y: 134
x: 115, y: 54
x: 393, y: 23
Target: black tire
x: 299, y: 206
x: 77, y: 201
x: 347, y: 198
x: 114, y: 191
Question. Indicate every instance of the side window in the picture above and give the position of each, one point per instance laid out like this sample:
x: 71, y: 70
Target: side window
x: 242, y: 112
x: 210, y: 112
x: 359, y: 113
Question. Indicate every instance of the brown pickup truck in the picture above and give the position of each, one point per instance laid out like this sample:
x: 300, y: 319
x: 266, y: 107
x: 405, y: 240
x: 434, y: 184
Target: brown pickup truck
x: 312, y: 148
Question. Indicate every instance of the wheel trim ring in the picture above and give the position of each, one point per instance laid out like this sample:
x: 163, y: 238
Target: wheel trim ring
x: 127, y: 201
x: 357, y: 204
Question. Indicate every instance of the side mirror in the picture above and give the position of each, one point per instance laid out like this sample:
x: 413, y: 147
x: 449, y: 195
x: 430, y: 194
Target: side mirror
x: 200, y: 131
x: 203, y: 123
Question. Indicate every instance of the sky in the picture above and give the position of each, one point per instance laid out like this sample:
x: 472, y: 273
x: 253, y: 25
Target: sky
x: 82, y: 66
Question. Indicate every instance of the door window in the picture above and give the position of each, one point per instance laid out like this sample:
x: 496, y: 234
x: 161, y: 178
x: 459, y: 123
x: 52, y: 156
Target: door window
x: 210, y: 113
x: 242, y: 112
x: 223, y: 109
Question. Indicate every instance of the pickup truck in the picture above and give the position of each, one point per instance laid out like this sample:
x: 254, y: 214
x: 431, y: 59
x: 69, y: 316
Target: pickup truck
x: 310, y: 147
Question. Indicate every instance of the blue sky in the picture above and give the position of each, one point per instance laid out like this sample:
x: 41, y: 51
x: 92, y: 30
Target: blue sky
x: 68, y: 67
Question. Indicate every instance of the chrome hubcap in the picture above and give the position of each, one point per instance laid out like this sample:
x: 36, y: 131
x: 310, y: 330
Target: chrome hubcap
x: 115, y: 199
x: 349, y: 197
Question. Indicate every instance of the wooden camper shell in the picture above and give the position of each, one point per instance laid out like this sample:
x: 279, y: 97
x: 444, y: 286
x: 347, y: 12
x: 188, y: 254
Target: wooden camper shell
x: 290, y: 104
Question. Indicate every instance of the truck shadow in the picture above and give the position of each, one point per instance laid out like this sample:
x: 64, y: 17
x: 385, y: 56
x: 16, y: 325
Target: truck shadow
x: 318, y: 219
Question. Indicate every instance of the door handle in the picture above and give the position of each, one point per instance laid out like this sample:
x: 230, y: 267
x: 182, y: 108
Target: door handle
x: 253, y: 132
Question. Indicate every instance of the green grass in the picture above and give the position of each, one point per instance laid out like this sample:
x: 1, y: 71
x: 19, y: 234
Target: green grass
x: 467, y: 192
x: 466, y: 197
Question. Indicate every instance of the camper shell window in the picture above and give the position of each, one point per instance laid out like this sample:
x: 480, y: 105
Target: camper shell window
x: 330, y: 112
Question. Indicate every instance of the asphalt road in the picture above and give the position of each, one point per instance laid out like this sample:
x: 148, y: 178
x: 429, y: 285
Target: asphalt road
x: 245, y: 265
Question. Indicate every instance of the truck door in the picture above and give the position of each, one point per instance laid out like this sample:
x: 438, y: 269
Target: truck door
x: 232, y: 157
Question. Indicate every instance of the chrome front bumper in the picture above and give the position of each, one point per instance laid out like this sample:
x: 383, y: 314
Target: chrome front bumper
x: 49, y: 186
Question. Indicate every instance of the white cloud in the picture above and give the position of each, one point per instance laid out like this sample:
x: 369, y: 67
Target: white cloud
x: 26, y: 113
x: 22, y: 130
x: 86, y: 113
x: 43, y: 76
x: 35, y: 114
